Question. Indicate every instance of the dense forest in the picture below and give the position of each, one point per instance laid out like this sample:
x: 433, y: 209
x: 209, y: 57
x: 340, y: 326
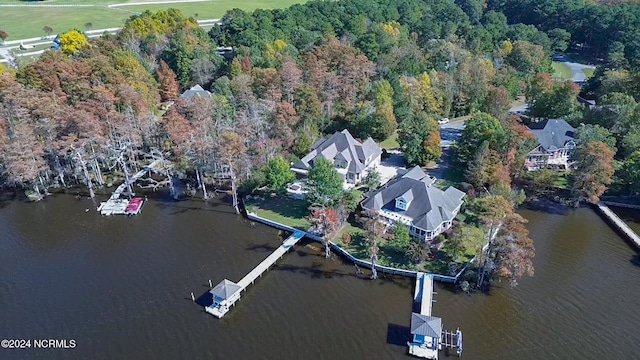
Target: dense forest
x: 83, y: 114
x: 89, y: 114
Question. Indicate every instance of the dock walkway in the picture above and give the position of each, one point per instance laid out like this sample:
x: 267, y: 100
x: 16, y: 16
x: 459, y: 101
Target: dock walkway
x: 618, y: 223
x: 429, y: 337
x: 117, y: 206
x: 226, y: 293
x: 120, y: 189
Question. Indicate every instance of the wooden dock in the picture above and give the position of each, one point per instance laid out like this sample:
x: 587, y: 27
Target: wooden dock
x: 428, y: 334
x: 618, y: 223
x: 117, y: 206
x: 226, y: 293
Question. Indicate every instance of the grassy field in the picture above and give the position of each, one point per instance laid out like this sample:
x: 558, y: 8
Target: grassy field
x: 216, y: 9
x: 588, y: 72
x: 27, y: 22
x: 391, y: 143
x: 23, y: 23
x: 561, y: 70
x: 282, y: 209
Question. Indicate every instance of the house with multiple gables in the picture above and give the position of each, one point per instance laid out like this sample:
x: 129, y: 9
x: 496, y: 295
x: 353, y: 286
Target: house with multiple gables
x: 555, y: 144
x: 351, y: 158
x: 413, y: 200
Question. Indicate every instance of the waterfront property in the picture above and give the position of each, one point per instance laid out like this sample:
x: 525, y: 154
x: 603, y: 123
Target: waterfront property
x: 227, y: 292
x: 555, y: 144
x: 413, y: 200
x: 351, y: 158
x: 428, y: 336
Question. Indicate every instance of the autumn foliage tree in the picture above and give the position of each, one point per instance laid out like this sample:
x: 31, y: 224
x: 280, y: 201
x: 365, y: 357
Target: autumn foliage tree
x: 513, y: 250
x: 3, y: 35
x: 419, y: 138
x: 325, y: 220
x: 167, y: 82
x: 594, y: 171
x: 72, y: 41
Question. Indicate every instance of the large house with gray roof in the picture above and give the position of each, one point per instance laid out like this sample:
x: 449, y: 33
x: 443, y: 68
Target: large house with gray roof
x: 351, y: 158
x: 413, y: 200
x: 555, y: 145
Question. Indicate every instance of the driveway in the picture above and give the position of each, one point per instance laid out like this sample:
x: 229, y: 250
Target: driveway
x: 391, y: 166
x: 449, y: 133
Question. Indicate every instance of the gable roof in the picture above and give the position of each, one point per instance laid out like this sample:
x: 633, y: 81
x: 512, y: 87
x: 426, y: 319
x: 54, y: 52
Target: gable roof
x: 195, y: 91
x: 430, y: 206
x: 425, y: 325
x: 342, y: 146
x: 224, y: 290
x: 552, y: 134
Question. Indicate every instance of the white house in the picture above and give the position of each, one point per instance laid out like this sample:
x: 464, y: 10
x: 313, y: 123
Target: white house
x: 351, y: 158
x: 555, y: 145
x: 414, y: 201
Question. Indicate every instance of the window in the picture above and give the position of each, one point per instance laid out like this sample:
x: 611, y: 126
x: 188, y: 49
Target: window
x: 401, y: 204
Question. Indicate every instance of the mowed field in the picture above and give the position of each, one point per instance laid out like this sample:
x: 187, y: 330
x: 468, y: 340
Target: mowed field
x: 23, y: 23
x: 216, y: 9
x: 561, y: 70
x: 27, y: 22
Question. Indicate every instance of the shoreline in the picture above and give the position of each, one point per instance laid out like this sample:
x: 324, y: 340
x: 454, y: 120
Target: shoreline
x: 360, y: 262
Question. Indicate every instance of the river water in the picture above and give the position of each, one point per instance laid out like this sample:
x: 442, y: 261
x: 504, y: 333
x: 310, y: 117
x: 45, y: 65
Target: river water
x: 120, y: 287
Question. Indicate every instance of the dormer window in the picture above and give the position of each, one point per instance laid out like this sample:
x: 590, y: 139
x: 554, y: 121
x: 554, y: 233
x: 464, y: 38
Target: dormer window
x: 401, y: 204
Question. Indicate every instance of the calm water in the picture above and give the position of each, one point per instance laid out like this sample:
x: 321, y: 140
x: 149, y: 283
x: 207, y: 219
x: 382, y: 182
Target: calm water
x: 120, y: 287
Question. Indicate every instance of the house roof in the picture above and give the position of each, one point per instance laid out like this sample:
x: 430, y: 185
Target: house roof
x: 430, y: 326
x: 342, y: 146
x: 552, y: 134
x: 195, y: 91
x: 430, y: 206
x: 224, y: 290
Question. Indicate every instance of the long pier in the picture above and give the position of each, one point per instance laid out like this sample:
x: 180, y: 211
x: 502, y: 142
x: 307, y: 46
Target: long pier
x: 226, y: 293
x: 618, y: 223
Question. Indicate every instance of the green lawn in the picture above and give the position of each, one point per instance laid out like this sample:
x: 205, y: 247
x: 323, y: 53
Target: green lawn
x: 27, y: 22
x: 23, y: 23
x: 282, y: 209
x: 561, y: 70
x: 391, y: 143
x: 388, y: 256
x: 588, y: 72
x: 216, y: 9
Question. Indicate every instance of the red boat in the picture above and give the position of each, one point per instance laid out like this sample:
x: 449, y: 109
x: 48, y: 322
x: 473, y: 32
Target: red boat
x: 134, y: 206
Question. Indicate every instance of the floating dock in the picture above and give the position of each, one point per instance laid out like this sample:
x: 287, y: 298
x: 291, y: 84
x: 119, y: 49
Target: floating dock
x: 427, y: 331
x: 226, y: 293
x: 117, y: 206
